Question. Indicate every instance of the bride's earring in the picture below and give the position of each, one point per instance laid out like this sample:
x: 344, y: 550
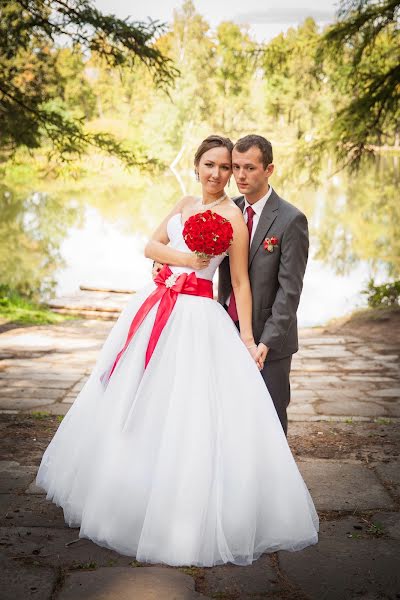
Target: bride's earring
x: 197, y: 175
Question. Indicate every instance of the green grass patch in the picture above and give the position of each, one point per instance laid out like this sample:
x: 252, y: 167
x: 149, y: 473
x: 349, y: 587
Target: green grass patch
x: 39, y: 415
x: 89, y: 566
x: 17, y: 309
x: 135, y: 563
x: 376, y: 529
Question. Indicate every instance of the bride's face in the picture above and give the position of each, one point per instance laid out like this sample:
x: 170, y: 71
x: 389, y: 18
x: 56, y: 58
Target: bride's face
x: 215, y: 168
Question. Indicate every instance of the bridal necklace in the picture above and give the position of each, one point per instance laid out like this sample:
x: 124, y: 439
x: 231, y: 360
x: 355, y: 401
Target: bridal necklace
x: 209, y: 205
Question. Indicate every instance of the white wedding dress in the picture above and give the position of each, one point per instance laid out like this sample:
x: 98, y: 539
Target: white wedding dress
x: 184, y: 462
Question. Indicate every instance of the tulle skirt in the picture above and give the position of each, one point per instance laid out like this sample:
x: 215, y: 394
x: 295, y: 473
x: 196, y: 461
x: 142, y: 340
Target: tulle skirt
x: 184, y: 462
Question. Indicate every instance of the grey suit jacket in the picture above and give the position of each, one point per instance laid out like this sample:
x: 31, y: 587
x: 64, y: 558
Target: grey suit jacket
x: 276, y: 278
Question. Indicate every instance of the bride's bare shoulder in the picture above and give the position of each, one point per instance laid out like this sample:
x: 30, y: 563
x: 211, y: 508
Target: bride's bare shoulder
x: 187, y: 201
x: 233, y: 212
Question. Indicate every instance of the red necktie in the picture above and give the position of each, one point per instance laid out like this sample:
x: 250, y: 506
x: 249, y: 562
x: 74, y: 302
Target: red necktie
x: 232, y: 311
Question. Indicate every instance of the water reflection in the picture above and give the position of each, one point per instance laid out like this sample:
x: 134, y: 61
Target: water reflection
x: 98, y: 227
x: 31, y: 230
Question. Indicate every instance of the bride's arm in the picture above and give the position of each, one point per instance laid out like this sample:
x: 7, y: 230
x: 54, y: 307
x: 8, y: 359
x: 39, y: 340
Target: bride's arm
x: 158, y: 250
x: 238, y: 261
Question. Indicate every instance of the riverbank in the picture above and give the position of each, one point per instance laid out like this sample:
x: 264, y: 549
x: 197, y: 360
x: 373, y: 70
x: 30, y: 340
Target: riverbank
x: 379, y: 324
x: 17, y: 311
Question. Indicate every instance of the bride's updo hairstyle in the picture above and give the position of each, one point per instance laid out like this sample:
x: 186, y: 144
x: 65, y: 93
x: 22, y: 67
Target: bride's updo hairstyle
x: 212, y: 141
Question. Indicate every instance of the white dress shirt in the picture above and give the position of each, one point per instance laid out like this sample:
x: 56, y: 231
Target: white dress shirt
x: 258, y: 208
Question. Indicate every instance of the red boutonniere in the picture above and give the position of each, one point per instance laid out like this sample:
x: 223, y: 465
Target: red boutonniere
x: 270, y: 243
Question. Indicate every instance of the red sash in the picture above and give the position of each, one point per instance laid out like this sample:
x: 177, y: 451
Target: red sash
x: 169, y: 285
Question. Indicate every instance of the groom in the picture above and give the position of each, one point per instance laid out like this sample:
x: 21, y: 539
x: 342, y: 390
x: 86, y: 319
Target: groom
x: 277, y: 260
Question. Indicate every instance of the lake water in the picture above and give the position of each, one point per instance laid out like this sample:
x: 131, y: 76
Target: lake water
x: 350, y: 241
x: 99, y: 222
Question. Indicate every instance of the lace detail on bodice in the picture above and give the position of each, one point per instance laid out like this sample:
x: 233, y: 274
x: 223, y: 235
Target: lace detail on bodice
x: 175, y: 230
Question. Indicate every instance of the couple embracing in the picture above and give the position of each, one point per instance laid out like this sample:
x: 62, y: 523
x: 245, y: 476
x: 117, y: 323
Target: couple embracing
x: 175, y: 450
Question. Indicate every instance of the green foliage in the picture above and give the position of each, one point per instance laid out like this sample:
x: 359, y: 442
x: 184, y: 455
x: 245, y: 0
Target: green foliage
x: 361, y: 52
x: 376, y: 529
x: 360, y: 219
x: 387, y: 294
x: 32, y: 227
x: 18, y: 309
x: 32, y: 79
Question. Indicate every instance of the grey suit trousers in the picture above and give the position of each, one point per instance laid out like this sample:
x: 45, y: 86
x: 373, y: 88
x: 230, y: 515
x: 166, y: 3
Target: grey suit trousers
x: 276, y: 377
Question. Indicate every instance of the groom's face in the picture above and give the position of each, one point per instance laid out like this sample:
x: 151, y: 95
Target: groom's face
x: 249, y: 172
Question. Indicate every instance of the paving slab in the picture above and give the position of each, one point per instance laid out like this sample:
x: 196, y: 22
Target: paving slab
x: 43, y: 376
x: 23, y: 403
x: 21, y: 582
x: 141, y: 583
x: 69, y: 398
x: 393, y: 410
x: 298, y: 408
x: 303, y: 396
x: 389, y: 473
x: 34, y: 489
x: 362, y: 365
x: 322, y: 340
x: 326, y: 352
x: 47, y: 545
x: 23, y: 510
x: 16, y: 478
x: 345, y: 565
x: 61, y: 384
x: 388, y: 392
x: 350, y: 408
x: 320, y: 380
x: 336, y: 485
x: 390, y: 522
x: 375, y: 378
x: 58, y: 408
x: 242, y: 582
x: 47, y: 393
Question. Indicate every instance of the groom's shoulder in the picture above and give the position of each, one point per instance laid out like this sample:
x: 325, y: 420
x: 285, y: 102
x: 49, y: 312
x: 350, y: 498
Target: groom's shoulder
x: 237, y: 199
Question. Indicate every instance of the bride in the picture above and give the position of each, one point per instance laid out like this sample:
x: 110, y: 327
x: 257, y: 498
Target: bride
x: 173, y: 452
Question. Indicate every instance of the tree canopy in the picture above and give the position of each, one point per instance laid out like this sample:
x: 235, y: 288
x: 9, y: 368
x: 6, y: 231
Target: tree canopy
x: 30, y: 33
x: 363, y: 49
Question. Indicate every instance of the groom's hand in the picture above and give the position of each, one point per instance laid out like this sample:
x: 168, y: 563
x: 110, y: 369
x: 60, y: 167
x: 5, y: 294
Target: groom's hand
x: 261, y: 355
x: 156, y: 269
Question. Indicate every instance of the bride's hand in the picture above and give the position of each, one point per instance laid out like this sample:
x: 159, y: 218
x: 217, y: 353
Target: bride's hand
x: 257, y: 354
x: 261, y: 355
x: 253, y: 353
x: 156, y: 269
x: 198, y: 263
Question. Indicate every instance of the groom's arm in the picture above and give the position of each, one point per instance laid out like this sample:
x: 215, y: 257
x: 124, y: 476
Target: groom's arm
x: 293, y: 260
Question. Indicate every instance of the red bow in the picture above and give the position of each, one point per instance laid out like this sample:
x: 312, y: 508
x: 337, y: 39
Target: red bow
x: 169, y: 285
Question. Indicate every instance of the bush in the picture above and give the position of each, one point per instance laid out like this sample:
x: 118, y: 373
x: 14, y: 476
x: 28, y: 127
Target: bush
x: 387, y: 294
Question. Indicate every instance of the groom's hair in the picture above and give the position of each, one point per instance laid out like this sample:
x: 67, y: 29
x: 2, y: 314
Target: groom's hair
x: 264, y: 145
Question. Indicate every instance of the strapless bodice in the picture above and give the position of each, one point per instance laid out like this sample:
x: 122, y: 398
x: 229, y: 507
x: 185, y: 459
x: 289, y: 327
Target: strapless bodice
x: 175, y: 231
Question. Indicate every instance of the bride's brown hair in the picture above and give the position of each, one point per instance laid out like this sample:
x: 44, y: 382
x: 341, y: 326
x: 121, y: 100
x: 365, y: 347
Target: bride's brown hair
x: 212, y: 141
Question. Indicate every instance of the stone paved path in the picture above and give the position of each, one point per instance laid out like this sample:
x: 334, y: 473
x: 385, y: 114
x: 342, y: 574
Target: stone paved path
x: 333, y: 377
x: 344, y: 431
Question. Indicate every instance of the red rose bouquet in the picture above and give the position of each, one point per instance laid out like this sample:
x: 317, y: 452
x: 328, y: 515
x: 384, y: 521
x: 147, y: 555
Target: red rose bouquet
x: 208, y: 234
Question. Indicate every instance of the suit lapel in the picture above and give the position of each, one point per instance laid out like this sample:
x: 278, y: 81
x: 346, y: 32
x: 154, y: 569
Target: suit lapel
x: 267, y: 217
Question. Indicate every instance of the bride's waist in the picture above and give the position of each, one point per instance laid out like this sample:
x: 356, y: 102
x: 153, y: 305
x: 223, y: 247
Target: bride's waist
x: 199, y: 274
